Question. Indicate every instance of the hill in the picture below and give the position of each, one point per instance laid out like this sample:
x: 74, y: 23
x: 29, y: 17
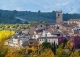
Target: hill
x: 12, y: 17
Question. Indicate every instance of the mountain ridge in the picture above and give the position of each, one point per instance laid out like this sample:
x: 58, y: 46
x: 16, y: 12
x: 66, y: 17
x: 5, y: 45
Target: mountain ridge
x: 7, y: 16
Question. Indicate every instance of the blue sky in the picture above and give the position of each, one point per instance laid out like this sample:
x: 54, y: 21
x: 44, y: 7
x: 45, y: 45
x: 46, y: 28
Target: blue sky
x: 67, y: 6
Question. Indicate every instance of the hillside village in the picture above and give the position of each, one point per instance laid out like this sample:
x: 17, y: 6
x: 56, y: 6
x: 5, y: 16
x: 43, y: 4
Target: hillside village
x: 33, y: 38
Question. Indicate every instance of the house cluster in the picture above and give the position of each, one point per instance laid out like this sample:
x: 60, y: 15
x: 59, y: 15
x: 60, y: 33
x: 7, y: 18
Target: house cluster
x: 47, y: 32
x: 50, y: 32
x: 18, y: 39
x: 55, y: 32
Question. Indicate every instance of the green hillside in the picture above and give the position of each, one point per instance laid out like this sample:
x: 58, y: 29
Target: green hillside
x: 7, y: 16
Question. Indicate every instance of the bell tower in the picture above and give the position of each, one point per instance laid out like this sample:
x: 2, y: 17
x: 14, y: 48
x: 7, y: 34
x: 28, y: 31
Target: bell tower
x: 59, y: 17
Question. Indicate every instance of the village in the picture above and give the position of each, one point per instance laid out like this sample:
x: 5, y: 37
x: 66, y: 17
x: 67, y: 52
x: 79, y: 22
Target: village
x: 33, y: 38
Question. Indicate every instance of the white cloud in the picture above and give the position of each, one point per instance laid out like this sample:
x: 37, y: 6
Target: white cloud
x: 7, y: 6
x: 19, y: 9
x: 67, y: 6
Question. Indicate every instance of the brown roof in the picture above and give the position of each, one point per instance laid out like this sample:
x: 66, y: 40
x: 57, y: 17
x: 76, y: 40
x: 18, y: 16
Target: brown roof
x: 32, y: 41
x: 33, y: 25
x: 69, y: 25
x: 74, y: 20
x: 50, y: 30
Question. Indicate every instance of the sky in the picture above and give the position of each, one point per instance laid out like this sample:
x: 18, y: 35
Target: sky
x: 67, y: 6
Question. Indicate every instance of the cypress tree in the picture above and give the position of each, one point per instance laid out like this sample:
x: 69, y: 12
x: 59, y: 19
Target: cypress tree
x: 54, y: 47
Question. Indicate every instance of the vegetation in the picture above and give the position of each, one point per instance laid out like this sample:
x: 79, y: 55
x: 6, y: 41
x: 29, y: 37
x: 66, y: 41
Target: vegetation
x: 12, y: 17
x: 45, y: 53
x: 5, y: 34
x: 69, y: 45
x: 3, y: 51
x: 59, y: 52
x: 15, y: 53
x: 10, y: 52
x: 75, y: 54
x: 46, y: 45
x: 14, y: 27
x: 65, y: 49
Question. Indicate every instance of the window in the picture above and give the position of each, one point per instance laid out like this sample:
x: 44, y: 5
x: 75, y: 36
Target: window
x: 40, y: 39
x: 58, y: 14
x: 30, y: 46
x: 31, y: 43
x: 41, y: 25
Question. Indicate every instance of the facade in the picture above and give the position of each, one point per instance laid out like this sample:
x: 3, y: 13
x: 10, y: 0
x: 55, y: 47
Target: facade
x: 76, y: 42
x: 34, y: 27
x: 45, y: 33
x: 38, y: 33
x: 59, y: 17
x: 58, y: 40
x: 33, y: 45
x: 17, y: 40
x: 71, y: 21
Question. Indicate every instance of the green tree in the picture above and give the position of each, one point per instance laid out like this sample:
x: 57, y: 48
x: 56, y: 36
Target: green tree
x: 15, y: 53
x: 3, y: 50
x: 61, y: 45
x: 75, y: 54
x: 46, y: 53
x: 41, y: 21
x: 59, y: 52
x: 46, y: 45
x: 9, y: 54
x: 33, y: 22
x: 39, y: 12
x: 54, y: 47
x: 69, y: 45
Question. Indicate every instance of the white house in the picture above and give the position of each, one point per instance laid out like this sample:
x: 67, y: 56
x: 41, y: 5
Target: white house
x: 57, y: 40
x: 18, y: 40
x: 48, y: 39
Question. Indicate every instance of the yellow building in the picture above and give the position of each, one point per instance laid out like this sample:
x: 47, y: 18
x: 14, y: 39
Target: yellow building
x: 33, y: 45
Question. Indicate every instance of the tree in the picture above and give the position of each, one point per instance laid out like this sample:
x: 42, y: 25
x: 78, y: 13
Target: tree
x: 69, y: 45
x: 46, y: 53
x: 26, y: 22
x: 5, y: 34
x: 64, y: 42
x: 54, y: 47
x: 3, y: 50
x: 39, y: 11
x: 28, y: 26
x: 46, y: 45
x: 59, y: 52
x: 41, y: 21
x: 33, y: 54
x: 75, y: 54
x: 15, y: 53
x: 9, y: 54
x: 33, y: 22
x: 61, y: 45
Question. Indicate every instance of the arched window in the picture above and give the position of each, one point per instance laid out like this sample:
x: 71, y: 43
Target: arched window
x: 58, y: 14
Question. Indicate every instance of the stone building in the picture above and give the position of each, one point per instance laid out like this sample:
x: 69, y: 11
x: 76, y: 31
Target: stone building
x: 59, y: 17
x: 34, y: 27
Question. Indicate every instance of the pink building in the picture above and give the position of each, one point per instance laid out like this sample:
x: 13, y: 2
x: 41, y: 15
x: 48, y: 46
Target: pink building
x: 77, y: 42
x: 60, y: 40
